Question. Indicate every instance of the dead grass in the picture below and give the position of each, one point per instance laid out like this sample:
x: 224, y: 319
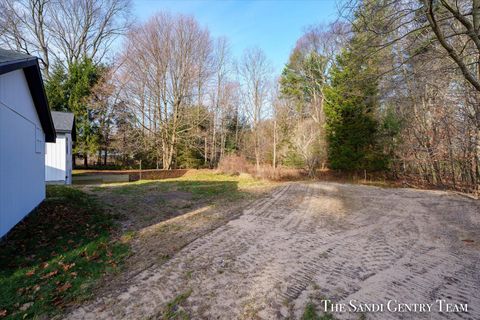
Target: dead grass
x: 235, y: 165
x: 146, y: 202
x: 161, y: 217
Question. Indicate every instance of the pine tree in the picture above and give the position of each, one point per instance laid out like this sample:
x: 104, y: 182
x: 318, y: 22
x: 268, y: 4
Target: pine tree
x: 55, y: 88
x: 82, y: 76
x: 351, y: 104
x: 67, y: 90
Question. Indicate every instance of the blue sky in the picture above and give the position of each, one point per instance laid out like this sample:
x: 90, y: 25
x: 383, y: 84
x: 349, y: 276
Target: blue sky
x: 274, y: 26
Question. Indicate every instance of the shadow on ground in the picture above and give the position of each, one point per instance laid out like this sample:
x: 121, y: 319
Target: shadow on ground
x: 145, y: 203
x: 54, y: 256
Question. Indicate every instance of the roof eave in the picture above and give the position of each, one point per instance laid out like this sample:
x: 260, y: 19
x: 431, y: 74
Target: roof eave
x: 37, y: 90
x: 17, y: 64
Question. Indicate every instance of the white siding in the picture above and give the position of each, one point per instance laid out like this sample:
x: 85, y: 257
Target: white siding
x: 22, y: 159
x: 68, y: 158
x: 58, y: 159
x: 55, y: 158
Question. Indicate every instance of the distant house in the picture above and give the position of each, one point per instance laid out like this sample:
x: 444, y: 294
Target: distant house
x: 25, y: 125
x: 58, y: 155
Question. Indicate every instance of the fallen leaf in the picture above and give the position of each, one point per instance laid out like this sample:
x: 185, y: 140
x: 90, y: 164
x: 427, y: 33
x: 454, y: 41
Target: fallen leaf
x: 64, y: 287
x: 25, y: 306
x: 50, y: 274
x: 94, y: 256
x: 3, y: 313
x: 57, y: 301
x: 66, y: 267
x: 30, y: 273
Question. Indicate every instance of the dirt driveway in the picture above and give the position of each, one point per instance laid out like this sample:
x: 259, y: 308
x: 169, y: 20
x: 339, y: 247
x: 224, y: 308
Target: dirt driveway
x: 311, y: 241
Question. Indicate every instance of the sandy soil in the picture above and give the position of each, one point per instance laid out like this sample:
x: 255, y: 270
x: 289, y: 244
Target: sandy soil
x: 308, y: 241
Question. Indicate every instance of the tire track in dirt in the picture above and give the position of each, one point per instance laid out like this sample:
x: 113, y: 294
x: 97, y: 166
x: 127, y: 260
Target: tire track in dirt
x: 311, y: 240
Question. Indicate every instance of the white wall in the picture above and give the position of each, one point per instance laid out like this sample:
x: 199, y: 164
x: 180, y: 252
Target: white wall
x: 55, y: 159
x: 22, y: 159
x: 69, y: 165
x: 58, y: 159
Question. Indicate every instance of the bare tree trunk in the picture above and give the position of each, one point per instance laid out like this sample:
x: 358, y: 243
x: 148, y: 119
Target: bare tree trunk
x: 274, y: 161
x: 213, y: 150
x: 257, y: 150
x: 255, y: 71
x: 206, y: 151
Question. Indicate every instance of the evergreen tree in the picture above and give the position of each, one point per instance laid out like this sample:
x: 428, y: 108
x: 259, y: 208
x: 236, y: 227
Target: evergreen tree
x: 83, y: 75
x: 55, y: 88
x: 67, y: 90
x: 351, y: 104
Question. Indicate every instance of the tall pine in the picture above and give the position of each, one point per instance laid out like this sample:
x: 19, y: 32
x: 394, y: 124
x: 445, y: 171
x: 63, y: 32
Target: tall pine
x: 55, y: 88
x: 67, y: 90
x: 350, y: 109
x: 82, y: 76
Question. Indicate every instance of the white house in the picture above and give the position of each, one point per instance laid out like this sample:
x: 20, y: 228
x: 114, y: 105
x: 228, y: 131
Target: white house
x: 58, y: 155
x: 25, y: 125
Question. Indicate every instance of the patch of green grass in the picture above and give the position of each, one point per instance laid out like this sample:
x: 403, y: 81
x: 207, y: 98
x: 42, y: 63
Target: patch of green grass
x: 163, y: 258
x: 173, y: 309
x: 128, y: 189
x: 129, y: 236
x: 97, y: 189
x: 209, y: 189
x: 53, y: 258
x: 201, y: 184
x: 310, y: 313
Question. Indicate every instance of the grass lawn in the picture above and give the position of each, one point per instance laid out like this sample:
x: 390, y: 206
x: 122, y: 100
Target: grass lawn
x: 53, y: 258
x: 147, y: 202
x: 160, y: 217
x: 201, y: 183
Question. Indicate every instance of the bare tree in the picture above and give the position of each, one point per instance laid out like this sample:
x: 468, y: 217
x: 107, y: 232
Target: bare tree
x: 452, y: 24
x: 24, y: 27
x: 106, y: 104
x: 453, y: 20
x: 217, y: 101
x: 307, y: 142
x: 167, y: 61
x: 255, y: 73
x: 63, y: 30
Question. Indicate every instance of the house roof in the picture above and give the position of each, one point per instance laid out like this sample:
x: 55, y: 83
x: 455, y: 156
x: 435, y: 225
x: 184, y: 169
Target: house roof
x: 64, y: 122
x: 11, y: 61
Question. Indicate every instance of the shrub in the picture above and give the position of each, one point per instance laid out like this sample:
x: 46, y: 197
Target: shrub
x: 234, y: 165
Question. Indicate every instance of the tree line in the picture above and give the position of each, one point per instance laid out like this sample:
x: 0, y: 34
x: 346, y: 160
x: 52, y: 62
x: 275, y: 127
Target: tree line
x: 391, y: 87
